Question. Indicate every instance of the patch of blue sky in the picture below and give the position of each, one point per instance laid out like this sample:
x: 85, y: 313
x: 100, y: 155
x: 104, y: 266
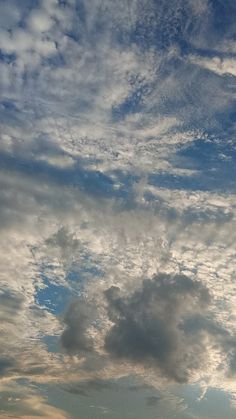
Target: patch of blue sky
x: 205, y: 182
x: 229, y: 119
x: 93, y: 182
x: 125, y: 194
x: 206, y: 52
x: 132, y: 103
x: 205, y: 155
x: 188, y: 216
x: 213, y: 161
x: 161, y: 28
x: 72, y: 34
x: 54, y: 297
x: 8, y: 105
x: 156, y: 33
x: 7, y: 58
x: 223, y: 16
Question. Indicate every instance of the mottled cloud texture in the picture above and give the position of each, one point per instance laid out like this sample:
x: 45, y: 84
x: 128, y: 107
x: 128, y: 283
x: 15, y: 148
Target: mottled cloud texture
x: 117, y: 209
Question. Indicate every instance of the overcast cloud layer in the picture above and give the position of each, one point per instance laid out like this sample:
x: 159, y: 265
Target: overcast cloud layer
x: 117, y: 209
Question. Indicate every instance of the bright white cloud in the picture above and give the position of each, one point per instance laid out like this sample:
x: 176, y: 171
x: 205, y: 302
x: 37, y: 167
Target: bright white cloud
x: 217, y: 65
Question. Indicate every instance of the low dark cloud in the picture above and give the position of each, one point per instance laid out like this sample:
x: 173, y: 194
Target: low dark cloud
x: 75, y: 338
x: 150, y: 325
x: 168, y: 324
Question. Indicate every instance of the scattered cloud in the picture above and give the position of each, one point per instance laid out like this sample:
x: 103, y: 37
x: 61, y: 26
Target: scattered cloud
x: 150, y: 325
x: 77, y: 319
x: 117, y: 162
x: 216, y: 64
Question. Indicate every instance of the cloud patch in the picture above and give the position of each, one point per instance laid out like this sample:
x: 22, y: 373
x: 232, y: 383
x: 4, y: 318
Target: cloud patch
x: 149, y: 325
x: 75, y: 338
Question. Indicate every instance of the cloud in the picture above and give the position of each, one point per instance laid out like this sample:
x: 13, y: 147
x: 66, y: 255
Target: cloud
x: 221, y: 66
x: 149, y: 325
x: 99, y: 99
x: 39, y: 21
x: 11, y: 304
x: 32, y: 407
x: 75, y: 338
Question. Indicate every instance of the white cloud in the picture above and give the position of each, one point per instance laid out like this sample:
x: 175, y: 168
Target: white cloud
x: 39, y: 21
x: 27, y: 47
x: 216, y: 64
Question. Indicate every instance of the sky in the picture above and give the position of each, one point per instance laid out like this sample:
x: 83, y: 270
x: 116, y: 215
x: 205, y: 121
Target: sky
x: 117, y: 209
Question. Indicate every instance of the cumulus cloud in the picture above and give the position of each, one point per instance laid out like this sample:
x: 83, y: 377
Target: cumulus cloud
x: 75, y: 338
x: 152, y: 325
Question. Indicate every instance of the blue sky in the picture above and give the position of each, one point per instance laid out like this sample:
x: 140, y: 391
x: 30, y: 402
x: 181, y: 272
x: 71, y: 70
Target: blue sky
x: 117, y: 209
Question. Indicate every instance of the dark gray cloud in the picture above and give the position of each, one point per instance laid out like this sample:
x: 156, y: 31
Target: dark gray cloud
x: 151, y: 325
x: 75, y: 338
x: 167, y: 324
